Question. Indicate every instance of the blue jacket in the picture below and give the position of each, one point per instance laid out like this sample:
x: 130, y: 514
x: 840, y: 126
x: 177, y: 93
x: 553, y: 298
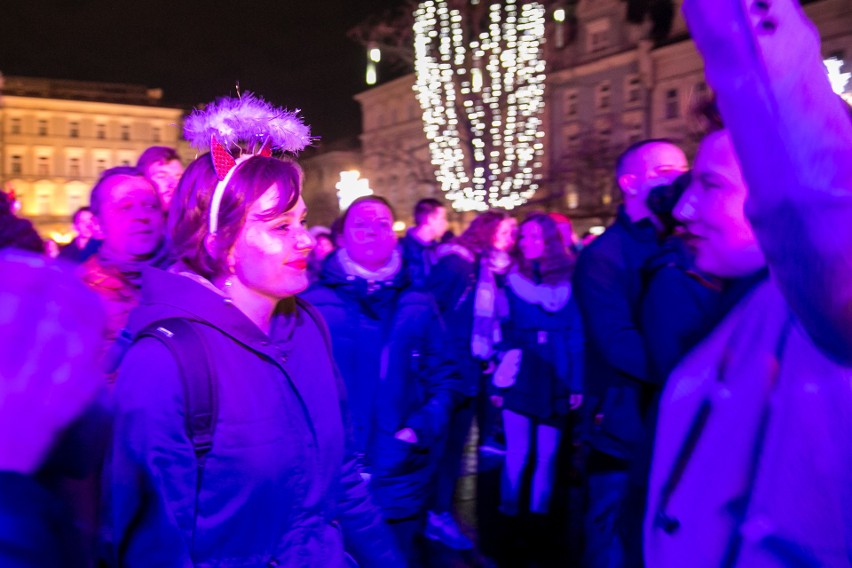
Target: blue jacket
x: 281, y: 485
x: 419, y: 257
x: 608, y: 288
x: 551, y: 343
x: 390, y: 345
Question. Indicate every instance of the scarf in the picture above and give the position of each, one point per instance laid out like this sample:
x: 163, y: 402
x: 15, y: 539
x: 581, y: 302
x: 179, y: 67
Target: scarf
x: 130, y: 270
x: 373, y: 278
x: 489, y: 305
x: 551, y: 298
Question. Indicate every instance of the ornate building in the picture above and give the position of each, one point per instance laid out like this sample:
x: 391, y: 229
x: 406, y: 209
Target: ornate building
x: 57, y: 136
x: 608, y: 84
x: 394, y: 148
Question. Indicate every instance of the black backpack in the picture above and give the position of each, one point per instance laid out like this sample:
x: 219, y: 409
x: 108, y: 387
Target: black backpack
x: 200, y: 387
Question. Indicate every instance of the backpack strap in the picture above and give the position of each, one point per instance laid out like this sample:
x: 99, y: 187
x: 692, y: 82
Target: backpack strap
x: 188, y: 348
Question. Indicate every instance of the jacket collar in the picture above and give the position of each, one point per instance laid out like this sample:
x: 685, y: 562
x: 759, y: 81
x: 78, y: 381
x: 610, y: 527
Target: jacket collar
x: 169, y: 294
x: 642, y: 230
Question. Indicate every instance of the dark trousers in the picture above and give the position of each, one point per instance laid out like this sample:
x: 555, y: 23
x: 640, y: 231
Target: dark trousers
x: 449, y: 465
x: 407, y: 533
x: 607, y: 491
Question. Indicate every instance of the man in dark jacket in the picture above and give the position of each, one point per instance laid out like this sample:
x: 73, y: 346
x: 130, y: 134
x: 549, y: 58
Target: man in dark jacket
x: 608, y: 284
x: 418, y: 244
x: 389, y: 344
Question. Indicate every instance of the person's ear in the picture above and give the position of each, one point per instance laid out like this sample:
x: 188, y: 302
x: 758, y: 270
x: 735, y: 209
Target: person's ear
x: 213, y: 250
x: 627, y: 183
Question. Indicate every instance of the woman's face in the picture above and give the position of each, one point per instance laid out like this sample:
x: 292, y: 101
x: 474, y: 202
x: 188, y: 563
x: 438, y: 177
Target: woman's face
x: 270, y: 257
x: 504, y: 237
x: 532, y: 241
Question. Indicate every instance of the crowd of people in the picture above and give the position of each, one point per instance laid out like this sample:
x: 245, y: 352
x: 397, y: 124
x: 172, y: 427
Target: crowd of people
x: 201, y: 380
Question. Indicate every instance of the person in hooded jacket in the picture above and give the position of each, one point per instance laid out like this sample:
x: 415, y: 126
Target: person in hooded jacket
x: 467, y: 284
x: 390, y: 345
x: 280, y: 484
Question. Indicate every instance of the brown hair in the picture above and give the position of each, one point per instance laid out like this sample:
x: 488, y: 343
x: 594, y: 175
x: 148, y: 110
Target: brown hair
x: 424, y: 208
x: 555, y: 265
x: 96, y: 199
x: 156, y: 155
x: 479, y: 235
x: 189, y: 216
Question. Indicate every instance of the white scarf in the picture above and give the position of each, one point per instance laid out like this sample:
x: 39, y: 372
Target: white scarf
x: 551, y: 298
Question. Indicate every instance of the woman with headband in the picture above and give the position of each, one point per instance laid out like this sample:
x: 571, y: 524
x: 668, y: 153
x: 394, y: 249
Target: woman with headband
x: 231, y: 438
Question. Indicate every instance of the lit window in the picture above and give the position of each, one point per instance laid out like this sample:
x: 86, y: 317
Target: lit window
x: 634, y: 89
x: 571, y: 135
x: 602, y: 96
x: 74, y: 167
x: 598, y: 35
x: 604, y: 139
x: 43, y: 166
x: 43, y: 200
x: 634, y: 132
x: 572, y: 196
x: 75, y: 199
x: 571, y: 103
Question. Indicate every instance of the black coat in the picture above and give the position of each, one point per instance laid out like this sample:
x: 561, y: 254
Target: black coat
x: 390, y: 346
x: 551, y: 344
x: 608, y: 288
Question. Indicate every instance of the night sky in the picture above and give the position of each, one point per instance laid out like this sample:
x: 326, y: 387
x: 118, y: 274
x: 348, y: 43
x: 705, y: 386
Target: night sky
x: 294, y: 53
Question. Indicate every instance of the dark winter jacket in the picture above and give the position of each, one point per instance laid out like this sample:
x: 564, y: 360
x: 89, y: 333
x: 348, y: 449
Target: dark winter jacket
x: 679, y: 308
x: 608, y: 288
x: 281, y: 485
x: 390, y: 346
x: 36, y: 528
x: 452, y: 282
x: 551, y: 344
x: 419, y: 257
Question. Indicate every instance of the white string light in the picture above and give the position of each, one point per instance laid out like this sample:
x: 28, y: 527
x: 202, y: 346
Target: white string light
x: 482, y: 99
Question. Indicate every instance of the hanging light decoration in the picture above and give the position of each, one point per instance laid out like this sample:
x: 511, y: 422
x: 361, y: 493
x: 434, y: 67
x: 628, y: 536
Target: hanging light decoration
x: 481, y: 88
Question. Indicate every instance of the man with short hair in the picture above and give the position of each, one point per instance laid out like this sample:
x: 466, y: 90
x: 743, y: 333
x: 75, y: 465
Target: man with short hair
x: 131, y: 218
x: 85, y: 244
x: 418, y: 244
x: 608, y: 284
x: 162, y: 166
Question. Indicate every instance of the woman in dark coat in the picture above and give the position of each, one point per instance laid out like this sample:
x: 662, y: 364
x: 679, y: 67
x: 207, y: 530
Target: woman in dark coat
x: 278, y: 484
x: 539, y: 378
x: 466, y: 283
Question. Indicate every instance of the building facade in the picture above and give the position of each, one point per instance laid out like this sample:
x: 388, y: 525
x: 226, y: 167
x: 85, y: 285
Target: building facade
x: 395, y: 151
x: 608, y: 85
x: 57, y: 136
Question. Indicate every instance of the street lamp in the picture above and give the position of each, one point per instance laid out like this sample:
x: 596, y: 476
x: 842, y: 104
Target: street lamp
x: 351, y: 187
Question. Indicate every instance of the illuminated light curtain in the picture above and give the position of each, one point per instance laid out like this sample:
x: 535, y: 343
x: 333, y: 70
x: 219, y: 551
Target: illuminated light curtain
x: 480, y: 84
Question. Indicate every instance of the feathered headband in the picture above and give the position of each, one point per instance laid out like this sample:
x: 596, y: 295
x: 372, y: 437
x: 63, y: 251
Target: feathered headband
x: 251, y: 124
